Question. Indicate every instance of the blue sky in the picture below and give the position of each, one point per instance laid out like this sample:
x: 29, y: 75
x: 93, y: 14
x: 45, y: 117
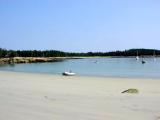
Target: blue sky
x: 79, y: 25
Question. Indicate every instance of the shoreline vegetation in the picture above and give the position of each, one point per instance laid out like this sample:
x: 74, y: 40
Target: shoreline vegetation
x: 37, y: 56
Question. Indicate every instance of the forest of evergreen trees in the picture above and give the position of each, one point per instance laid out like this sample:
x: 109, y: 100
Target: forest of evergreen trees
x: 54, y: 53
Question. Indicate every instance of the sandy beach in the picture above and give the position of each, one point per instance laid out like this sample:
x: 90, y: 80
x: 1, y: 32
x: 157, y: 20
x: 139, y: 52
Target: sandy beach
x: 28, y: 96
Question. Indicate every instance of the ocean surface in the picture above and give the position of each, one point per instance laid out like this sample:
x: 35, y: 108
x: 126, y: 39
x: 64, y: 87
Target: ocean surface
x: 111, y: 67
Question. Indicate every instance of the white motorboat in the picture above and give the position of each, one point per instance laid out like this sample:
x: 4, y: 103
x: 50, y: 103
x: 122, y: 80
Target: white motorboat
x: 68, y: 73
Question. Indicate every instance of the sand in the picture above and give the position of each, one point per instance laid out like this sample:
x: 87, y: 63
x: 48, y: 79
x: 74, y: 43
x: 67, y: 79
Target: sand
x: 28, y: 96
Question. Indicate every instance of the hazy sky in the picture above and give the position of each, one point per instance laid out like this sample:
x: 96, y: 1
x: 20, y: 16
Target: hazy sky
x: 79, y: 25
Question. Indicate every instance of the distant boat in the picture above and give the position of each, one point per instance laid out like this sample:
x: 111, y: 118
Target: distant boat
x: 70, y: 73
x: 96, y: 61
x: 137, y: 57
x: 143, y: 61
x: 154, y: 56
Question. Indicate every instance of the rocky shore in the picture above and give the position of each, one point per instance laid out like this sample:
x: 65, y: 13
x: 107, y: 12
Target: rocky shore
x: 17, y: 60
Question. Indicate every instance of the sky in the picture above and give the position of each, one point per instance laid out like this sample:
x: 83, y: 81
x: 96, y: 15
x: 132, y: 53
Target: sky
x: 79, y: 25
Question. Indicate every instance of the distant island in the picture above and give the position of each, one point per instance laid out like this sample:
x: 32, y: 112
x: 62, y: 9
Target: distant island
x: 30, y: 56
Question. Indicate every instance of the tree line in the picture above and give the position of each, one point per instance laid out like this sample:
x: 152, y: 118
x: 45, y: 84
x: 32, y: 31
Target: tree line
x: 54, y: 53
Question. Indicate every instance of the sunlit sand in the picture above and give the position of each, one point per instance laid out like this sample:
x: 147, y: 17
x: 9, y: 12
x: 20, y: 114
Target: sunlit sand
x: 26, y: 96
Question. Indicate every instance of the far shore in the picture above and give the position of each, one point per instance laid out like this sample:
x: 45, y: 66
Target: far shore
x: 16, y: 60
x: 30, y: 96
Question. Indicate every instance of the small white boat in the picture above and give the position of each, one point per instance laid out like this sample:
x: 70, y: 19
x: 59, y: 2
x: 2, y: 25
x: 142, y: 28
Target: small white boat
x: 68, y: 73
x: 137, y: 57
x: 154, y: 56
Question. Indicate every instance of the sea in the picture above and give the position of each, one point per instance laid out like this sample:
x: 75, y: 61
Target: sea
x: 105, y: 67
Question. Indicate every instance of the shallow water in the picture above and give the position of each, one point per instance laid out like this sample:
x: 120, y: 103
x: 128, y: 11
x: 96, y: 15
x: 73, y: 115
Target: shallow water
x: 113, y: 67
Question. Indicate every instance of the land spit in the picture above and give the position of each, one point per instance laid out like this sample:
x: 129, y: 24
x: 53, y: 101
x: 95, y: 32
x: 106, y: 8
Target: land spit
x: 16, y: 60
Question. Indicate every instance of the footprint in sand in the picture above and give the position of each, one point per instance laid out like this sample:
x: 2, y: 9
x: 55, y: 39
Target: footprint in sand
x: 51, y: 99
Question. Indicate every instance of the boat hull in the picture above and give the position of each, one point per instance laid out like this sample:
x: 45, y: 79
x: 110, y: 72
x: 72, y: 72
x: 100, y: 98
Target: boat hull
x: 68, y: 74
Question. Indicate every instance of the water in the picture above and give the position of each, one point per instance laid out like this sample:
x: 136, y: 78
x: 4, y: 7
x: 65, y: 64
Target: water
x: 115, y: 67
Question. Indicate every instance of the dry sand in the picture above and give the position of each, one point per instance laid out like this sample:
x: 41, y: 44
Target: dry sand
x: 26, y: 96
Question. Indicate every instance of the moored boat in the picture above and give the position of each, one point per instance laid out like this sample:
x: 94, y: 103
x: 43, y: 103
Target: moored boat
x: 143, y: 61
x: 137, y: 57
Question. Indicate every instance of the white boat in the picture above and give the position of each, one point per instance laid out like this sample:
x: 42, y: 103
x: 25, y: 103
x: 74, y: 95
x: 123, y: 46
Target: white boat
x: 137, y: 57
x: 154, y: 56
x: 68, y: 73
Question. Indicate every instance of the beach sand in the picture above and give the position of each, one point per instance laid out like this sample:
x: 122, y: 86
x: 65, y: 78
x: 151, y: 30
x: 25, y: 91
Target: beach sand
x: 28, y: 96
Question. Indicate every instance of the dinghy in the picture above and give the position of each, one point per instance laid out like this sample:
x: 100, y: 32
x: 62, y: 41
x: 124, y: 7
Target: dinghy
x: 68, y: 73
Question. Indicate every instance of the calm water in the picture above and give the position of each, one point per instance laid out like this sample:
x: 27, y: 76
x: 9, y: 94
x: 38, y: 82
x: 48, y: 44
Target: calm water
x: 116, y: 67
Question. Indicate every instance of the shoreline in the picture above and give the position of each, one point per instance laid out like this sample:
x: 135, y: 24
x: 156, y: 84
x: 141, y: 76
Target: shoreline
x: 43, y: 96
x: 78, y: 75
x: 18, y: 60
